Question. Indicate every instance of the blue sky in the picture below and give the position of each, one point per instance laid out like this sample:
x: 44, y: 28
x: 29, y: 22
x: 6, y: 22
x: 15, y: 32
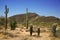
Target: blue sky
x: 41, y: 7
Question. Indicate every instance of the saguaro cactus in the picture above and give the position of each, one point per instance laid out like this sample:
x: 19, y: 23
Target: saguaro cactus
x: 6, y: 12
x: 31, y: 30
x: 38, y: 31
x: 26, y: 18
x: 54, y: 29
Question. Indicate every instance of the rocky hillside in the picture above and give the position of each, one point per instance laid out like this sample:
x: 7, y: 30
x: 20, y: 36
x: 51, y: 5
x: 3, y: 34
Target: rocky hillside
x: 33, y: 17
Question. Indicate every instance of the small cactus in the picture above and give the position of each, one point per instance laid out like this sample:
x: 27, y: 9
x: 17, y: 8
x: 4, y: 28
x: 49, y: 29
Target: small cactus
x: 38, y: 31
x: 13, y: 25
x: 54, y: 29
x: 31, y: 30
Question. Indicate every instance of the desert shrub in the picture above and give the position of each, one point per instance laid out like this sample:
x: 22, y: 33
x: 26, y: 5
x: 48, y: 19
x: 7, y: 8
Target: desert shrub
x: 13, y: 25
x: 24, y: 24
x: 59, y: 22
x: 2, y: 21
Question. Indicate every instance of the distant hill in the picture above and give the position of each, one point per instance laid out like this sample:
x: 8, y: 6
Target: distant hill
x: 22, y: 17
x: 33, y: 17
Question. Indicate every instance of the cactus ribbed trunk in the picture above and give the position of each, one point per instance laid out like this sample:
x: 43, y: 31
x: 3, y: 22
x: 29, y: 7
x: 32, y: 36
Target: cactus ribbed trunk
x: 6, y: 12
x: 27, y: 25
x: 26, y: 18
x: 38, y: 32
x: 31, y: 30
x: 6, y: 22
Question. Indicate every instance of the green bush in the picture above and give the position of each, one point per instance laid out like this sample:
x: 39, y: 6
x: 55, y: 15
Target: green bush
x: 13, y: 25
x: 2, y: 21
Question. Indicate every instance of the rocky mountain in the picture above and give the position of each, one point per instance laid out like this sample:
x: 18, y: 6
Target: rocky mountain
x: 33, y: 17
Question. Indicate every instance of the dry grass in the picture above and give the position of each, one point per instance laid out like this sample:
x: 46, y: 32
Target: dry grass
x: 21, y: 34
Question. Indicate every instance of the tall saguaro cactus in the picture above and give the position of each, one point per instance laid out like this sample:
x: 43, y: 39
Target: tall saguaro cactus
x: 26, y: 18
x: 6, y: 12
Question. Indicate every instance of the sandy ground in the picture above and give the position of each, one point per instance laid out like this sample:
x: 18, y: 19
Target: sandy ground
x: 21, y: 34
